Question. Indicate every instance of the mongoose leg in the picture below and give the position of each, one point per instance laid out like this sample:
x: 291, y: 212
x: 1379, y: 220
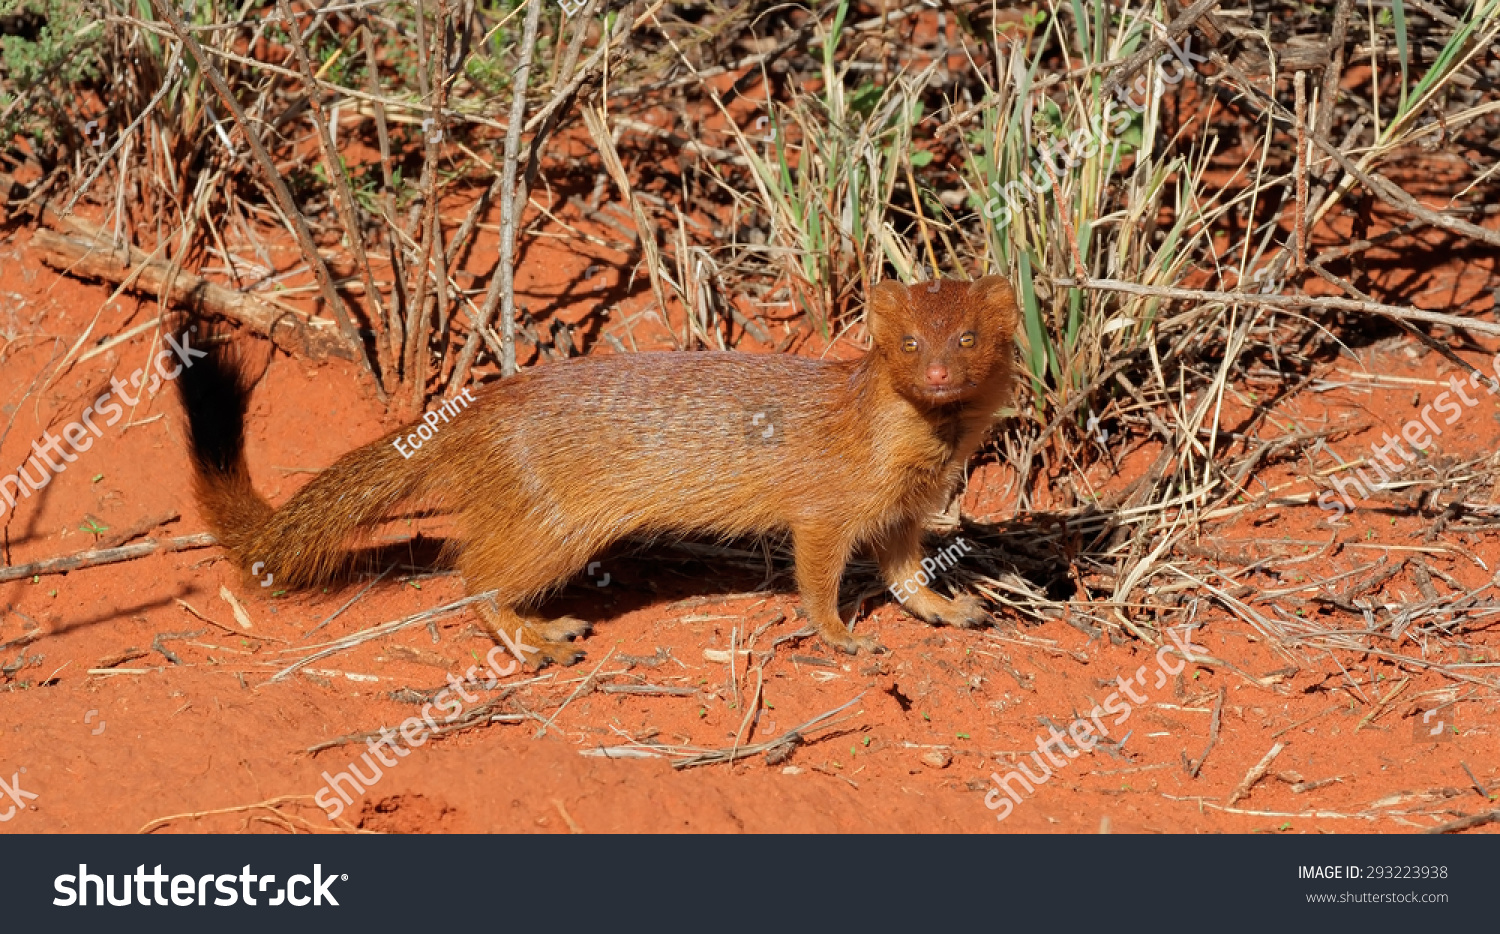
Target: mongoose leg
x: 900, y: 556
x: 519, y: 568
x: 821, y: 553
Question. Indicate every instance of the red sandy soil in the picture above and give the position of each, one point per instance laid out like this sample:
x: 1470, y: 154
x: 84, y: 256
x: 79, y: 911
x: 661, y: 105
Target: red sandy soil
x: 201, y: 739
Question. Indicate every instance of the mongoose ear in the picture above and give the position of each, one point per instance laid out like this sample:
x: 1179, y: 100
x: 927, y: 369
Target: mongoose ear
x: 996, y: 292
x: 888, y: 304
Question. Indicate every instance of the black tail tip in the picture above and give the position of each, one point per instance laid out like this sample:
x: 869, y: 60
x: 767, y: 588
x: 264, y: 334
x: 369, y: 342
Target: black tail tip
x: 215, y: 393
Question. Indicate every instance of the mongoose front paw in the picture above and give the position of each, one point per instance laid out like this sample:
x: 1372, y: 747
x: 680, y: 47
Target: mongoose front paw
x: 838, y: 636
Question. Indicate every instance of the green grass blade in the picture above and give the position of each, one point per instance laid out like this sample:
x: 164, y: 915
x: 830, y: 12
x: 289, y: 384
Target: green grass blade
x: 1445, y: 58
x: 1036, y: 333
x: 1398, y: 12
x: 1081, y: 25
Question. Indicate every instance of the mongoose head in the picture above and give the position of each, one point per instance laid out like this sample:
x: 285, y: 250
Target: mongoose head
x: 945, y: 341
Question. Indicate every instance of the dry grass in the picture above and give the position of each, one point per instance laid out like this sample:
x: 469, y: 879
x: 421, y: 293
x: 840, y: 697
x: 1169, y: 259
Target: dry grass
x: 854, y: 146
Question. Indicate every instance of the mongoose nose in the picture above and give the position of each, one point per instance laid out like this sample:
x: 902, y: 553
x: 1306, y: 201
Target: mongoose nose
x: 937, y: 375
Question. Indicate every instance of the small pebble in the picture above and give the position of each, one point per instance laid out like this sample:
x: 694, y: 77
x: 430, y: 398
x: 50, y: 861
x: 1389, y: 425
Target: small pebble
x: 937, y: 758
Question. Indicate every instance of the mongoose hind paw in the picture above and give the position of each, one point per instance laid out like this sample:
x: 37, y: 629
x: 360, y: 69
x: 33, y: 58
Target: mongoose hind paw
x: 964, y: 611
x: 562, y: 628
x: 548, y: 650
x: 846, y: 641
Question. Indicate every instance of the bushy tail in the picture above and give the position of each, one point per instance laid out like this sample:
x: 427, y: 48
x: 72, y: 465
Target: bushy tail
x: 306, y: 542
x: 215, y: 393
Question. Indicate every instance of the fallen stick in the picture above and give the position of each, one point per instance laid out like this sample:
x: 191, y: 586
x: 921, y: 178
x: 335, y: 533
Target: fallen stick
x: 384, y: 629
x: 1287, y: 729
x: 1213, y: 736
x: 1464, y: 823
x: 542, y: 731
x: 23, y: 639
x: 752, y: 713
x: 793, y: 737
x: 1205, y: 803
x: 1286, y: 301
x: 88, y: 559
x: 159, y: 644
x: 647, y: 690
x: 1174, y: 29
x: 86, y: 252
x: 1255, y: 774
x: 213, y: 622
x: 1380, y: 707
x: 1478, y: 786
x: 352, y: 601
x: 139, y: 529
x: 273, y: 805
x: 473, y: 717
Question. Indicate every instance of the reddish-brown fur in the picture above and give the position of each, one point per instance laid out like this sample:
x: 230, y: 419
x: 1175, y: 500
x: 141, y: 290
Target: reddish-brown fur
x: 549, y: 467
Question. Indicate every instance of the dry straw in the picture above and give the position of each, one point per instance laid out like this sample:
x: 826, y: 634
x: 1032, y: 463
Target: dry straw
x: 1160, y: 276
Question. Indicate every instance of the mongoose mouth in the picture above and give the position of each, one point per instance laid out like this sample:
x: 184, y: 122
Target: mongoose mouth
x: 943, y: 395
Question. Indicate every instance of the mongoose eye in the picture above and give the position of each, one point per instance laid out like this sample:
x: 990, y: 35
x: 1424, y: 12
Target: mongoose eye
x: 909, y: 345
x: 966, y: 339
